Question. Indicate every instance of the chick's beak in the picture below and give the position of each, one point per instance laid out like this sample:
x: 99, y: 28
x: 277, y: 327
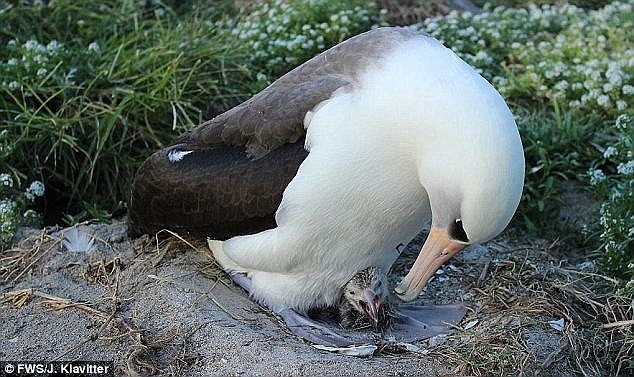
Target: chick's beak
x: 371, y: 303
x: 438, y: 248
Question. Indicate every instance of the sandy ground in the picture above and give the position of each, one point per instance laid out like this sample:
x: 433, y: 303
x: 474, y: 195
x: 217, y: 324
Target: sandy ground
x: 164, y: 308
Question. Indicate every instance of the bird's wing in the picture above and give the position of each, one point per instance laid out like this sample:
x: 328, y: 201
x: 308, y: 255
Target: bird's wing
x: 275, y: 116
x: 216, y: 192
x: 226, y: 176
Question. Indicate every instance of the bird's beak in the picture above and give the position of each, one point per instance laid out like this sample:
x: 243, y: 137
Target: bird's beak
x: 438, y: 248
x: 372, y: 304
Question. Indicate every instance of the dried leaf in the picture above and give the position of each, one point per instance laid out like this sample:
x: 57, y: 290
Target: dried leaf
x: 414, y: 348
x: 558, y: 324
x: 470, y: 324
x: 360, y: 351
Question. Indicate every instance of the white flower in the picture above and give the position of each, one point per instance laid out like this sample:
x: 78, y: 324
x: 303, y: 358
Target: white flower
x: 615, y: 76
x: 575, y: 104
x: 628, y: 89
x: 562, y: 85
x: 53, y: 46
x: 41, y: 72
x: 622, y: 121
x: 609, y: 152
x: 6, y: 180
x: 94, y: 46
x: 13, y: 85
x: 36, y: 189
x: 596, y: 176
x: 621, y: 105
x: 483, y: 56
x: 6, y: 206
x: 603, y: 100
x: 35, y: 46
x: 30, y: 44
x: 12, y: 61
x: 12, y: 42
x: 626, y: 168
x: 39, y: 59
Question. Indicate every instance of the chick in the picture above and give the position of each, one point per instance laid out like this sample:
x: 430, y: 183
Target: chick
x: 365, y: 301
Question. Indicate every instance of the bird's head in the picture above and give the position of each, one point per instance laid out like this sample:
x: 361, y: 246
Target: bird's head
x: 473, y: 177
x: 366, y: 292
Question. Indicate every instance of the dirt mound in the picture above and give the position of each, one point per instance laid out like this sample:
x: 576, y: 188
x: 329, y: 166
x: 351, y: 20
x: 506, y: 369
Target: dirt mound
x: 164, y: 307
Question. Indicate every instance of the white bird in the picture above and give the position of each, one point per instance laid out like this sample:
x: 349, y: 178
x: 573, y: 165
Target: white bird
x: 399, y: 132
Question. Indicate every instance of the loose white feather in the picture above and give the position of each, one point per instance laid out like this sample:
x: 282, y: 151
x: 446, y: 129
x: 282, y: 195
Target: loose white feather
x: 78, y: 241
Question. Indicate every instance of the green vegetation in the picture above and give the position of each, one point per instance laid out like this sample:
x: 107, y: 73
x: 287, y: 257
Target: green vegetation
x: 13, y: 206
x: 613, y: 177
x: 88, y: 90
x: 86, y: 93
x: 283, y: 35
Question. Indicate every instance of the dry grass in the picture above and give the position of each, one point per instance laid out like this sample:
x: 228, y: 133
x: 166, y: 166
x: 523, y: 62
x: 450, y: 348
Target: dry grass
x: 166, y: 243
x: 18, y: 261
x: 144, y: 358
x: 524, y: 290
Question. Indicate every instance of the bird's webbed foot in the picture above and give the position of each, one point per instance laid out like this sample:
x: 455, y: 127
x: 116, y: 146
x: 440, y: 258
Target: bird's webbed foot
x: 318, y: 332
x: 413, y: 322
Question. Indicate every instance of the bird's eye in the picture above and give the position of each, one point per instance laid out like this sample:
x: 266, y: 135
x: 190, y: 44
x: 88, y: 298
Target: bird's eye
x: 456, y: 231
x: 351, y: 292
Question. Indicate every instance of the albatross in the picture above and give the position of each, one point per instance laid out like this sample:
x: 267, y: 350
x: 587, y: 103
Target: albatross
x: 337, y: 164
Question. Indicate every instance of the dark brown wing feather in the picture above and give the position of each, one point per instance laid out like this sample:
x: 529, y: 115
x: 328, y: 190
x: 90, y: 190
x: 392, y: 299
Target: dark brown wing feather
x: 216, y: 192
x: 242, y: 160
